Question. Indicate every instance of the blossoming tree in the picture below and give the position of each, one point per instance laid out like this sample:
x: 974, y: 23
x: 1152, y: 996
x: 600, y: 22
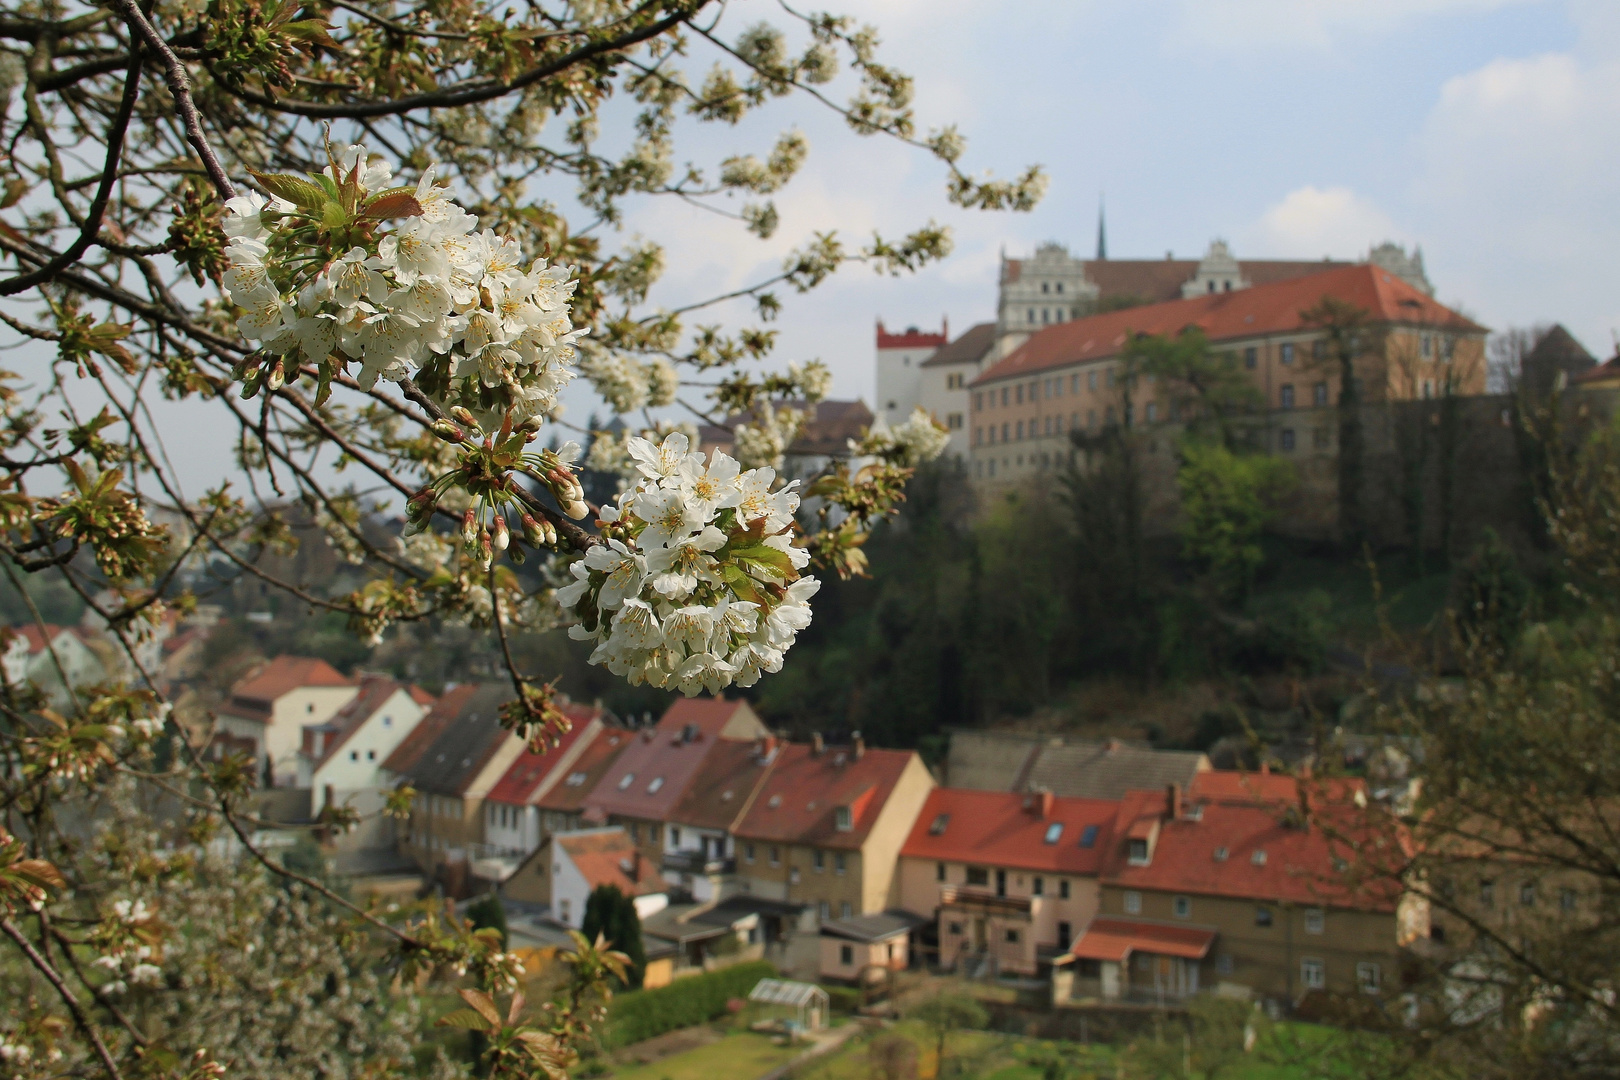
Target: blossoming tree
x: 314, y: 223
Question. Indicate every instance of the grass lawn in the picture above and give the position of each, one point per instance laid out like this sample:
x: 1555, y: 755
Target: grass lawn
x: 740, y: 1055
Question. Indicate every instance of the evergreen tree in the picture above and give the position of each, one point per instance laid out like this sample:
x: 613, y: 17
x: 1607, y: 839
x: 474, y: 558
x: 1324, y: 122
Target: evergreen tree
x: 612, y: 914
x: 486, y: 913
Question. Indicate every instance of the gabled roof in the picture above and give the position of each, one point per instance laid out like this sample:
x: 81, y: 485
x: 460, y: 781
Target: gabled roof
x: 1108, y: 769
x: 30, y: 634
x: 441, y: 716
x: 526, y: 776
x: 725, y: 784
x: 1272, y: 788
x: 799, y: 800
x: 375, y: 691
x: 998, y: 828
x: 609, y: 857
x: 880, y: 926
x: 1249, y: 850
x: 970, y: 348
x: 285, y: 674
x: 569, y: 793
x: 458, y: 755
x: 656, y: 767
x: 1244, y: 313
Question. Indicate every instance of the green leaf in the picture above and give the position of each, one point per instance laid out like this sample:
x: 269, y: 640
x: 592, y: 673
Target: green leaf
x: 468, y: 1019
x: 312, y: 30
x: 295, y: 189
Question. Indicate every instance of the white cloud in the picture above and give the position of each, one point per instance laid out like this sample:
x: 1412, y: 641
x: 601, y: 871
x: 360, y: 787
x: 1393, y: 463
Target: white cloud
x: 1316, y: 24
x: 1312, y: 221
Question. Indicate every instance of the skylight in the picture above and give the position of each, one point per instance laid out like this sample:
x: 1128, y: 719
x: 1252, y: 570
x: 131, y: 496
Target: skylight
x: 1088, y: 836
x: 1054, y: 832
x: 939, y: 824
x: 1259, y: 857
x: 654, y: 784
x: 1220, y: 854
x: 776, y: 800
x: 576, y: 779
x: 629, y: 778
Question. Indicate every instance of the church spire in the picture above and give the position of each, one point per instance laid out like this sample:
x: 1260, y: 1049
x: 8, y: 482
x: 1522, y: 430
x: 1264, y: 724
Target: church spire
x: 1102, y: 232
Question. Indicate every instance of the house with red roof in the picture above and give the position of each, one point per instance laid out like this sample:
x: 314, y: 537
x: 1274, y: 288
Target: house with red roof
x: 269, y: 709
x: 1069, y: 377
x: 512, y: 822
x: 1251, y: 889
x: 700, y: 850
x: 1008, y: 880
x: 44, y: 656
x: 562, y: 806
x: 341, y: 760
x: 823, y: 836
x: 656, y: 767
x: 569, y: 866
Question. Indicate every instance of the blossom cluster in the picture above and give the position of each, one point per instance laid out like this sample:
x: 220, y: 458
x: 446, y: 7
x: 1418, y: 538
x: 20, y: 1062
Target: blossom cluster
x: 344, y: 267
x: 698, y: 585
x: 918, y: 440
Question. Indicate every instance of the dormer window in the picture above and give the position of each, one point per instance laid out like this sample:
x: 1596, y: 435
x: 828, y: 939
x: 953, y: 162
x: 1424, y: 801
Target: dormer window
x: 1054, y: 832
x: 653, y: 786
x: 628, y: 779
x: 1259, y: 857
x: 844, y: 819
x: 1138, y: 852
x: 1195, y: 811
x: 938, y: 826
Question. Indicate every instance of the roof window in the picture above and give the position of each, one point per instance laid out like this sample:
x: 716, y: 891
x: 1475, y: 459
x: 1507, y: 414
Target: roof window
x: 1088, y: 836
x: 775, y: 801
x: 576, y: 779
x: 1054, y: 832
x: 845, y: 820
x: 629, y: 778
x: 654, y: 784
x: 939, y: 824
x: 1220, y: 854
x: 1259, y: 857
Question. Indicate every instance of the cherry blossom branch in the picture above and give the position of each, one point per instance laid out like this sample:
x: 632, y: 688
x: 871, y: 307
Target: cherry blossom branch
x: 80, y: 1018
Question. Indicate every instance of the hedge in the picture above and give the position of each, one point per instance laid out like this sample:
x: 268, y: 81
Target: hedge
x: 641, y: 1014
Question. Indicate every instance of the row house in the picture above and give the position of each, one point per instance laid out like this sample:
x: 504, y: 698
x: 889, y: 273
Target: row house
x: 266, y: 713
x: 1238, y: 882
x: 567, y: 867
x: 513, y: 823
x: 1070, y: 378
x: 1008, y: 881
x: 700, y: 851
x: 342, y: 758
x: 453, y: 760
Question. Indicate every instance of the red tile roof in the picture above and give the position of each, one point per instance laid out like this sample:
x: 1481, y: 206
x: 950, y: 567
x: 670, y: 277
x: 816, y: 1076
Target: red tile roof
x: 285, y: 674
x: 421, y: 696
x: 999, y: 828
x: 570, y: 793
x: 1246, y: 313
x: 725, y: 785
x: 912, y: 338
x: 798, y: 802
x: 1252, y: 850
x: 657, y: 765
x: 524, y: 780
x: 1235, y: 785
x: 1108, y: 938
x: 443, y: 714
x: 608, y: 857
x: 36, y: 641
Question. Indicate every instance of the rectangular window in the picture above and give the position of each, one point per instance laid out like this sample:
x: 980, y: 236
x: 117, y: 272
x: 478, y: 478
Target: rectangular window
x: 1004, y: 395
x: 954, y: 928
x: 1426, y: 345
x: 954, y: 421
x: 1038, y: 886
x: 793, y: 875
x: 1315, y: 920
x: 939, y: 871
x: 1285, y: 439
x: 838, y: 863
x: 674, y: 836
x: 1138, y: 851
x: 1183, y: 907
x: 820, y: 860
x: 1251, y: 358
x: 1312, y: 973
x: 1262, y: 916
x: 824, y: 910
x: 1487, y: 893
x: 1285, y: 396
x: 978, y: 875
x: 1287, y: 352
x: 748, y: 852
x: 1133, y: 903
x: 978, y: 436
x: 635, y: 832
x: 1368, y: 977
x: 846, y: 955
x: 844, y: 910
x: 776, y: 855
x: 1063, y: 889
x: 978, y: 400
x: 1074, y: 383
x: 1091, y: 380
x: 1152, y: 411
x: 1019, y: 392
x: 1020, y: 429
x: 1012, y: 937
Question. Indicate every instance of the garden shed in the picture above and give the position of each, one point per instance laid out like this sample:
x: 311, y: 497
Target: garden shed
x: 801, y: 1006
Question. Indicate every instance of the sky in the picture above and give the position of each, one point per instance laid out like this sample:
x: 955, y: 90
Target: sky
x: 1483, y: 130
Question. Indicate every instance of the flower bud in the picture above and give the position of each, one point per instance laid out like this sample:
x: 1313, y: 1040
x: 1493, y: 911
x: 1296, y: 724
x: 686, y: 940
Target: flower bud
x: 447, y: 431
x: 576, y: 509
x: 532, y: 532
x: 503, y: 535
x: 469, y: 526
x: 277, y: 376
x: 465, y: 419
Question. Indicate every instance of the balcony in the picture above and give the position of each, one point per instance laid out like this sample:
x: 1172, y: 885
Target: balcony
x: 697, y: 862
x: 984, y: 899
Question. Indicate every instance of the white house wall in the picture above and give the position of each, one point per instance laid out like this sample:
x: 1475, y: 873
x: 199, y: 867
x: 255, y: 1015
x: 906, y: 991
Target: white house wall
x: 357, y: 765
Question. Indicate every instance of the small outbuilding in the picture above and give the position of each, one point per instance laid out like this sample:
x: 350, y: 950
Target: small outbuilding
x: 797, y: 1006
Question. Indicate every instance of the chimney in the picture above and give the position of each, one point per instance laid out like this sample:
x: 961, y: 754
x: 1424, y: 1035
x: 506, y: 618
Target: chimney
x: 860, y: 746
x: 816, y: 743
x: 1039, y: 802
x: 765, y: 746
x: 1045, y: 803
x: 1173, y: 797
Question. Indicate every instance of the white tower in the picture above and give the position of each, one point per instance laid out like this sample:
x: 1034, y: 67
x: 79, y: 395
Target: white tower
x: 898, y: 358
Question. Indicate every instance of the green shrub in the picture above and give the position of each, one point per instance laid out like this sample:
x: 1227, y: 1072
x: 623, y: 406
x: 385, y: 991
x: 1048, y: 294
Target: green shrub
x: 843, y: 999
x: 641, y: 1014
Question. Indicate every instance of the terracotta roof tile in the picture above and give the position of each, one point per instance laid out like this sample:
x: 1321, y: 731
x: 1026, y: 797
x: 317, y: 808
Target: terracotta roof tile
x: 724, y: 785
x: 1108, y: 938
x: 1262, y: 309
x: 441, y: 716
x: 524, y: 778
x: 998, y: 828
x: 569, y: 794
x: 608, y: 857
x: 799, y: 800
x: 285, y: 674
x: 910, y: 338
